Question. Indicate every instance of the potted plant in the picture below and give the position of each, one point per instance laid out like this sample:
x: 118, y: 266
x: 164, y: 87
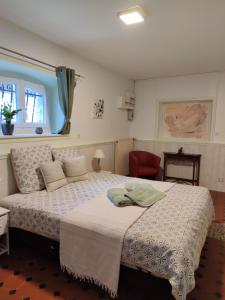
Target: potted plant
x: 8, y: 114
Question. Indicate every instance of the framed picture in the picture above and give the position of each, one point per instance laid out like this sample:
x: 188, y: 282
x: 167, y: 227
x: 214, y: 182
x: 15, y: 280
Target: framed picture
x: 185, y: 119
x: 98, y: 109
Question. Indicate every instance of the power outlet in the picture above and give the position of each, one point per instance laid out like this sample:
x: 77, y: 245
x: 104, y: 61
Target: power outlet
x: 220, y: 179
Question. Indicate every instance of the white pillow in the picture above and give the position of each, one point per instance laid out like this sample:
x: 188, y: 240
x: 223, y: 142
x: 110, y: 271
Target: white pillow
x: 65, y: 153
x: 75, y: 169
x: 53, y: 175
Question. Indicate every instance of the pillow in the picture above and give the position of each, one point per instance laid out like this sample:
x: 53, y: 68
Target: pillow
x: 75, y: 169
x: 26, y: 162
x: 65, y: 153
x: 53, y: 175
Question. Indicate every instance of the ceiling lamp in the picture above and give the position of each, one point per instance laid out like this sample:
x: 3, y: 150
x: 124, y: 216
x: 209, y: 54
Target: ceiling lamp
x: 132, y: 15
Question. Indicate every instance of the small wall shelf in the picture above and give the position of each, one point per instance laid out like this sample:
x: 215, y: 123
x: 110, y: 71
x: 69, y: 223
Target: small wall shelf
x: 126, y: 103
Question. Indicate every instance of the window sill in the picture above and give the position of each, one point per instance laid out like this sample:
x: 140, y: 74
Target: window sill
x: 17, y: 138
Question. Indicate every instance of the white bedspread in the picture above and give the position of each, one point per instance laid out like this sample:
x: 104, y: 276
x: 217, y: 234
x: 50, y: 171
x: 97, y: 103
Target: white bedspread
x: 91, y: 241
x: 166, y: 240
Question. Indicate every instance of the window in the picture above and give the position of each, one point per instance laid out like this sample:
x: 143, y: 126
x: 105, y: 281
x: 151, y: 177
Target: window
x: 34, y: 106
x: 29, y: 97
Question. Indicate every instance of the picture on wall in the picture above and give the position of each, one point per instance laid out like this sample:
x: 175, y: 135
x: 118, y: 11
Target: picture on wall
x: 187, y: 119
x: 98, y: 109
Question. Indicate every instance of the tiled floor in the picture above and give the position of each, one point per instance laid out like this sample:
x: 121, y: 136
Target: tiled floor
x: 219, y: 203
x: 27, y: 275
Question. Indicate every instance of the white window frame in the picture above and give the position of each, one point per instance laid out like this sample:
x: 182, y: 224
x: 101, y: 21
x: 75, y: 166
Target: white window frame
x: 21, y: 85
x: 41, y: 89
x: 7, y: 80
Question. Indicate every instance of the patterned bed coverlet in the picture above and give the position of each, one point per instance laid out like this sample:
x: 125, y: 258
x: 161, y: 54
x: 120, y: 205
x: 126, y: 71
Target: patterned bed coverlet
x: 167, y: 240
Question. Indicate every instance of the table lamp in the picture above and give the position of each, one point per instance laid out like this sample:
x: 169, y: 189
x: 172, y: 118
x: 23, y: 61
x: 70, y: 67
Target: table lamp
x: 98, y: 155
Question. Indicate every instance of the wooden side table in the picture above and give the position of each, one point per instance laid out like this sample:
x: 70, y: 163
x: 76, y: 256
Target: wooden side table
x: 4, y: 230
x: 193, y: 158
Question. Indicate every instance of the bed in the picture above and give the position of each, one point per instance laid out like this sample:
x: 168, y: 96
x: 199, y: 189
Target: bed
x: 166, y: 240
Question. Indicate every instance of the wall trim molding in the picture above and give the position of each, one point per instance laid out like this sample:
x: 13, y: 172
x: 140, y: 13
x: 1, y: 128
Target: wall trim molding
x: 74, y: 145
x: 180, y: 142
x: 4, y: 156
x: 31, y: 138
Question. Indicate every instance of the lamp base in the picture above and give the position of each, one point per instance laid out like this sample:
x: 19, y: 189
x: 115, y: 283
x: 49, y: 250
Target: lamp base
x: 98, y: 167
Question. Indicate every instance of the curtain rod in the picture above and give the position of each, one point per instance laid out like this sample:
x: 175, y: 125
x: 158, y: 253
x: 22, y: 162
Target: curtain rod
x: 34, y: 59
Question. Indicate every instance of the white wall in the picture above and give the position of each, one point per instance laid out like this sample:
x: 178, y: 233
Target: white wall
x: 98, y: 83
x: 211, y: 85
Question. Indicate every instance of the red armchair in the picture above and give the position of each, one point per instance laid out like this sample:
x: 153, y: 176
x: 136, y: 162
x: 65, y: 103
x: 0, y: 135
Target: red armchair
x: 144, y: 164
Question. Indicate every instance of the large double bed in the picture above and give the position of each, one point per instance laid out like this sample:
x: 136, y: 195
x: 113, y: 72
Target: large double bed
x: 166, y: 240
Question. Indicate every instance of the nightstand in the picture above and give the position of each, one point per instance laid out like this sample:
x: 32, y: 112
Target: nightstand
x: 4, y: 231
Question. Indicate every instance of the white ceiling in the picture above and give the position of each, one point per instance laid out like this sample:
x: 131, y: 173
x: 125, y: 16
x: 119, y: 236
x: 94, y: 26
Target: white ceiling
x: 179, y: 37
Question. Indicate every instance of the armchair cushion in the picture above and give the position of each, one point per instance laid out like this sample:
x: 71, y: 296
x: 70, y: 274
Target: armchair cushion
x: 147, y: 171
x: 144, y: 163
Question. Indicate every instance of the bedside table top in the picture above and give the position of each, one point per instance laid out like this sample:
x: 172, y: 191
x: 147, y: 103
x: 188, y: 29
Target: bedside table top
x: 3, y: 211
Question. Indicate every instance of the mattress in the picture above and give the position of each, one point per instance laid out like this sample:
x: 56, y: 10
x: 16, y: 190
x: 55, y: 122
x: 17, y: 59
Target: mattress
x: 166, y: 240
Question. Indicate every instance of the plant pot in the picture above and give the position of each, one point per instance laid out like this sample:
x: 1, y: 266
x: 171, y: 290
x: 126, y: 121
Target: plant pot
x: 7, y: 128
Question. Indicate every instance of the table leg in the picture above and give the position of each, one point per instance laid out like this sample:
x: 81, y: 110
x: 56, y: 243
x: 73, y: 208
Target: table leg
x: 7, y: 241
x: 164, y: 169
x: 193, y: 175
x: 198, y: 174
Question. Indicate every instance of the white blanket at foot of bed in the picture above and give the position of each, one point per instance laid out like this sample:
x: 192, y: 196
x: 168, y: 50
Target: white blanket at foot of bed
x: 91, y: 239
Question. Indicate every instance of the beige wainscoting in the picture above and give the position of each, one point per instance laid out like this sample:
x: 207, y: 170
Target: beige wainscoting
x: 8, y: 185
x: 212, y: 173
x: 122, y: 149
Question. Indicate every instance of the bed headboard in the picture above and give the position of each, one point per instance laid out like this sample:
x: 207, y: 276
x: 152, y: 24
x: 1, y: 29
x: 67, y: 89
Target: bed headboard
x: 7, y: 180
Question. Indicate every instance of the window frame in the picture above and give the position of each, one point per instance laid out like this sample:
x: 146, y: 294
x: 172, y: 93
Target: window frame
x: 8, y: 80
x: 21, y: 85
x: 42, y: 90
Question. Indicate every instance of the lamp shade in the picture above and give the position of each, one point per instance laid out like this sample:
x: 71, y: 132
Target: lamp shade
x: 99, y: 154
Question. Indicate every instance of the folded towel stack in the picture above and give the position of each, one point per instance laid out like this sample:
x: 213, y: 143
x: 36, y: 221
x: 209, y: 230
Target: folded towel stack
x: 141, y: 194
x: 118, y: 197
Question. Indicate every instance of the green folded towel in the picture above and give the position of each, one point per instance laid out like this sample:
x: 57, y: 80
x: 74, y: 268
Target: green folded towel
x: 131, y: 186
x: 143, y: 194
x: 134, y: 193
x: 145, y: 197
x: 118, y: 198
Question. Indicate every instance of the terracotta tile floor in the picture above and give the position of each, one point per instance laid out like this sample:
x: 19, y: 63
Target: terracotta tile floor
x: 219, y: 203
x: 27, y: 275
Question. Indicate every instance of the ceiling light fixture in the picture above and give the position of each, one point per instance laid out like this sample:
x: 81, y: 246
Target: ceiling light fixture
x: 132, y: 15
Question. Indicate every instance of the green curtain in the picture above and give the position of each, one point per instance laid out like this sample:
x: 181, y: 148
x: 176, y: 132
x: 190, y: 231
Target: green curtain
x: 66, y: 84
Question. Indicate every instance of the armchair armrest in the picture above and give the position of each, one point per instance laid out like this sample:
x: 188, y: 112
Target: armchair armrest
x: 154, y: 160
